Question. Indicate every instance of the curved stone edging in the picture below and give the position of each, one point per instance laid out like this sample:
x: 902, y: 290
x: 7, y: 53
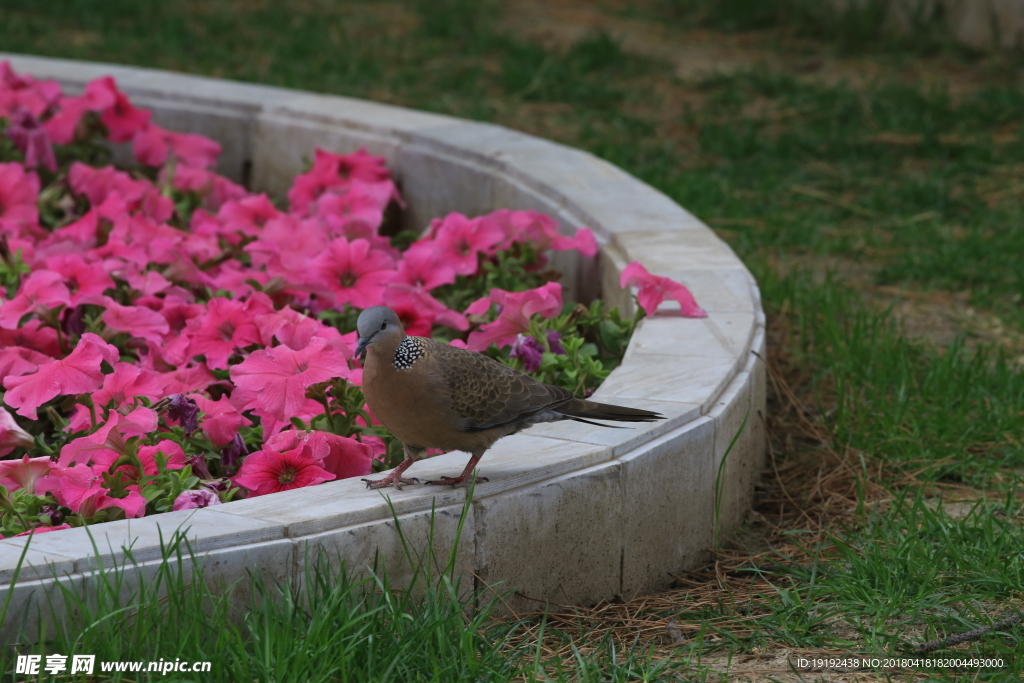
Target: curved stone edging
x: 572, y: 513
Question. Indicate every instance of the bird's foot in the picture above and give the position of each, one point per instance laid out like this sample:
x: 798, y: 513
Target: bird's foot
x: 390, y: 480
x: 454, y: 481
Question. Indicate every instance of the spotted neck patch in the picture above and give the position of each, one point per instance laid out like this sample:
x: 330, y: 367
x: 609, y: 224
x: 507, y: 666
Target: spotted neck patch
x: 409, y: 351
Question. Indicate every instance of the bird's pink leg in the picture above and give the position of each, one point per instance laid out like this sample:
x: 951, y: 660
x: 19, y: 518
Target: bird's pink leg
x: 395, y: 478
x: 462, y: 478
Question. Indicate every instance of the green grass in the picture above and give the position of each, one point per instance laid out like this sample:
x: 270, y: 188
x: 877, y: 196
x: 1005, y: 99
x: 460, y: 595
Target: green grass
x: 900, y: 183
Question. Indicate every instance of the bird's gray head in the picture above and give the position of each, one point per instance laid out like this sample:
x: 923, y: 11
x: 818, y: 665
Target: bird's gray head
x: 375, y: 325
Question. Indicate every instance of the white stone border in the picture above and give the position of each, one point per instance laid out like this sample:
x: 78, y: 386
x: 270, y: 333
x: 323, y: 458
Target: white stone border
x: 572, y: 513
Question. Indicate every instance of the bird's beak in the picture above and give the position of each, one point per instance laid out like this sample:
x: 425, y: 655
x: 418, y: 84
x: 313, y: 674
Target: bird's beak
x: 361, y: 347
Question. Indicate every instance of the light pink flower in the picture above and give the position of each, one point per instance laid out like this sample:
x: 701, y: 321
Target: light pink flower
x: 269, y: 471
x: 654, y: 289
x: 12, y: 435
x: 280, y: 376
x: 140, y: 421
x: 353, y: 273
x: 122, y: 386
x: 24, y: 472
x: 516, y: 310
x: 195, y: 498
x: 78, y: 373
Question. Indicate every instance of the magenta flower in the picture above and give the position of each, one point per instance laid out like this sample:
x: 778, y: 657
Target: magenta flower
x: 81, y: 489
x: 280, y: 376
x: 654, y: 289
x: 459, y: 240
x: 63, y: 125
x: 516, y: 310
x: 24, y: 91
x: 32, y: 140
x: 17, y: 360
x: 153, y: 146
x: 98, y: 184
x: 331, y: 171
x: 196, y: 498
x: 78, y: 373
x: 247, y: 215
x: 110, y: 436
x: 353, y: 273
x: 41, y: 291
x: 104, y: 459
x: 138, y: 321
x: 227, y: 325
x: 19, y: 192
x: 122, y: 119
x: 268, y: 471
x: 541, y: 231
x: 221, y: 420
x: 122, y: 386
x: 81, y: 278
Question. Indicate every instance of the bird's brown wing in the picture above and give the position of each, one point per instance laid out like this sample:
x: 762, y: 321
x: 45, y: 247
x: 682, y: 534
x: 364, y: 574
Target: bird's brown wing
x: 484, y: 394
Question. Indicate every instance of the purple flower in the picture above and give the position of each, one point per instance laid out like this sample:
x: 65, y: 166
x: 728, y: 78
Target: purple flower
x: 528, y: 350
x: 185, y: 411
x: 31, y: 139
x: 555, y: 343
x: 233, y: 453
x: 196, y: 498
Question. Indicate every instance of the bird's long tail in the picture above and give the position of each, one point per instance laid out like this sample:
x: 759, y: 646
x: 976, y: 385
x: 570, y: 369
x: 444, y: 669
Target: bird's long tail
x: 584, y: 411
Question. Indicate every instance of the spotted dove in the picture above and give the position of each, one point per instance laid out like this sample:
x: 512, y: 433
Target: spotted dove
x: 433, y: 395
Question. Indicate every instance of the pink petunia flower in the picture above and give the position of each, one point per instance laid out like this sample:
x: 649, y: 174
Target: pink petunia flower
x: 17, y: 360
x: 19, y: 192
x: 331, y: 171
x: 82, y: 278
x: 24, y: 91
x: 246, y: 216
x: 81, y: 489
x: 122, y: 386
x: 226, y: 326
x: 221, y: 420
x: 80, y: 451
x: 541, y: 231
x: 516, y: 310
x: 460, y: 240
x: 654, y: 289
x: 138, y: 321
x: 12, y: 435
x: 41, y: 290
x: 78, y: 373
x: 153, y: 146
x: 280, y: 376
x: 269, y: 471
x: 123, y: 119
x: 353, y: 273
x: 32, y: 140
x: 24, y: 472
x: 98, y: 95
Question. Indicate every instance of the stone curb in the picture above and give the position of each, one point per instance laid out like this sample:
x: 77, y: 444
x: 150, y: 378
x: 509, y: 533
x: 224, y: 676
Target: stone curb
x: 571, y: 514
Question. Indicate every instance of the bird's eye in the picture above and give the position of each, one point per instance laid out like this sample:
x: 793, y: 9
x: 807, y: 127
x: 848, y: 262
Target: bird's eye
x: 384, y: 325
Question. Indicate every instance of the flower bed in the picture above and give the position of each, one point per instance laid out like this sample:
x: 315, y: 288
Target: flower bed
x: 170, y: 341
x: 570, y: 513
